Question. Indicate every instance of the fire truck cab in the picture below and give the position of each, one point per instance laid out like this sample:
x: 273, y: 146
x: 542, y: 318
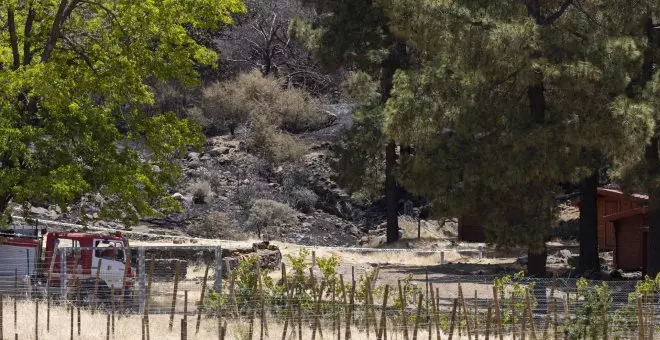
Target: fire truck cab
x: 82, y: 253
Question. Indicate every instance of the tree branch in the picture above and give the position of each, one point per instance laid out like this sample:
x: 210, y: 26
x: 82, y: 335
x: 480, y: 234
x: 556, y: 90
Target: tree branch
x: 13, y: 38
x: 63, y: 12
x: 27, y: 54
x: 80, y: 53
x: 564, y: 6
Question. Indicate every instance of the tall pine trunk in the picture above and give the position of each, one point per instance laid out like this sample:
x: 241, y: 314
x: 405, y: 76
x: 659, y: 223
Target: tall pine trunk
x: 653, y: 172
x: 391, y: 194
x: 536, y: 261
x: 588, y: 236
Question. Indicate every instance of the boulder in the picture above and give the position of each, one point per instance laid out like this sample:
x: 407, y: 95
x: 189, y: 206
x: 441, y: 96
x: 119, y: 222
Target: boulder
x: 218, y: 151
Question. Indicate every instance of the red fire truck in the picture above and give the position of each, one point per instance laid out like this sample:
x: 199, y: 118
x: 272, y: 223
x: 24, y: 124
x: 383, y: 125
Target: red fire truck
x: 69, y: 264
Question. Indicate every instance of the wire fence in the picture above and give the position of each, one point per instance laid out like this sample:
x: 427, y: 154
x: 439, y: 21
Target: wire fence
x: 308, y: 296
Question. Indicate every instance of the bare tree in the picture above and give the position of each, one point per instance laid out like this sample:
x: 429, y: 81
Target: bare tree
x: 260, y: 39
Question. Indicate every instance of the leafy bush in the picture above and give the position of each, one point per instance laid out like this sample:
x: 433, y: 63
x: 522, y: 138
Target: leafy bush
x: 264, y: 213
x: 201, y: 191
x: 304, y: 199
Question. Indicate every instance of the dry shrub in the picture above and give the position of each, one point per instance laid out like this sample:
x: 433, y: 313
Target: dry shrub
x: 201, y: 191
x: 275, y: 146
x: 218, y: 225
x: 264, y: 213
x: 225, y: 106
x: 304, y: 199
x: 236, y: 101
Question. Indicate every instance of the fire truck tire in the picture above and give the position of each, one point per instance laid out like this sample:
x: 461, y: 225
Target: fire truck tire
x: 87, y: 290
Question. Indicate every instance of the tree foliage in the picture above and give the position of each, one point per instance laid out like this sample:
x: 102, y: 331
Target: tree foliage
x: 72, y: 96
x: 508, y: 100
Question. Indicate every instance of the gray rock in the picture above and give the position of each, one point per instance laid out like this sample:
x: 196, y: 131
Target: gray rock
x: 218, y: 151
x: 194, y: 164
x: 178, y: 196
x: 192, y: 155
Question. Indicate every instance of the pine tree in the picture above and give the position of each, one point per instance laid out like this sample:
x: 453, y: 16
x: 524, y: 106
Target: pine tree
x: 510, y: 99
x: 354, y: 34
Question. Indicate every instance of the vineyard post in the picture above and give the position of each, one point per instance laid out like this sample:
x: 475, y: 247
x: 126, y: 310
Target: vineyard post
x: 530, y: 316
x: 334, y: 309
x: 605, y: 335
x: 96, y: 285
x: 63, y: 274
x: 404, y: 318
x: 260, y: 296
x: 436, y: 312
x: 107, y: 326
x: 2, y: 333
x: 476, y: 316
x: 418, y: 316
x: 184, y: 319
x: 200, y: 307
x: 353, y: 284
x: 366, y: 308
x: 36, y: 319
x: 127, y: 265
x: 112, y: 309
x: 148, y: 295
x: 345, y: 303
x: 142, y: 280
x: 383, y: 316
x: 430, y: 311
x: 217, y: 286
x: 78, y: 315
x: 177, y: 268
x: 513, y: 319
x: 640, y: 318
x: 71, y: 318
x: 287, y: 302
x: 16, y: 298
x: 465, y: 310
x: 48, y: 298
x: 498, y: 315
x: 299, y: 307
x: 554, y: 319
x: 488, y: 320
x: 452, y: 323
x: 523, y: 324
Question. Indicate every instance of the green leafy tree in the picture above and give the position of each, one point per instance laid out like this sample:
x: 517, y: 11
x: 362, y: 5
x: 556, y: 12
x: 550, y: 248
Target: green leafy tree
x: 509, y: 100
x: 72, y: 93
x: 355, y: 34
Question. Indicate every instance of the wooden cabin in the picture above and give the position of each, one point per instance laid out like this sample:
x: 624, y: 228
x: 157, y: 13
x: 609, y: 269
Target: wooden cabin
x: 631, y: 231
x: 612, y: 202
x: 609, y: 202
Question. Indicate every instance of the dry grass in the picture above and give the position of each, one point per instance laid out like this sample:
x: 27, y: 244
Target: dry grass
x: 130, y: 327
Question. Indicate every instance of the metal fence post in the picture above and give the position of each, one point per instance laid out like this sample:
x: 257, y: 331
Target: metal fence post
x: 218, y: 270
x: 442, y: 257
x: 142, y: 274
x: 63, y: 276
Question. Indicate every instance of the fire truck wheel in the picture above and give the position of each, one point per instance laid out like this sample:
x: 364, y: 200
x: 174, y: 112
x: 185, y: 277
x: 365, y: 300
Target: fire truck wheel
x: 87, y: 290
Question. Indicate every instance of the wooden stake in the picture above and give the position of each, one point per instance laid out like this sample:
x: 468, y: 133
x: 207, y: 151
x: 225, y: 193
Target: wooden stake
x: 107, y: 327
x: 287, y: 302
x: 96, y: 285
x: 530, y: 315
x: 200, y: 307
x: 48, y: 313
x: 453, y: 319
x: 146, y: 302
x: 476, y: 316
x: 435, y: 316
x: 488, y: 320
x: 418, y: 316
x: 78, y: 314
x: 36, y: 319
x: 498, y: 315
x: 404, y: 317
x: 383, y: 316
x: 72, y: 322
x: 177, y: 269
x: 112, y: 311
x: 640, y: 318
x: 605, y: 332
x: 514, y: 330
x: 184, y: 329
x: 465, y: 311
x: 2, y: 333
x: 127, y: 249
x: 554, y: 319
